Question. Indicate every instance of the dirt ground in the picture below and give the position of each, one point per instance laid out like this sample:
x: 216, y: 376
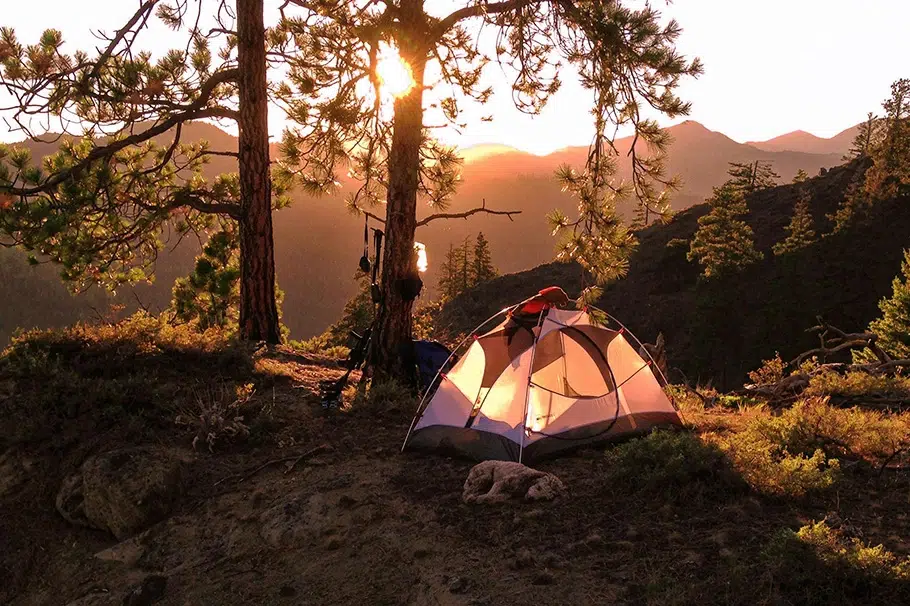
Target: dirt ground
x: 328, y: 511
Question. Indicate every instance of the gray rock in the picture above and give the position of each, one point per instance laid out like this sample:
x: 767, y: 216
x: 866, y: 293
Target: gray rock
x: 498, y: 481
x: 71, y: 502
x: 151, y: 590
x: 122, y: 491
x: 127, y: 552
x: 15, y: 470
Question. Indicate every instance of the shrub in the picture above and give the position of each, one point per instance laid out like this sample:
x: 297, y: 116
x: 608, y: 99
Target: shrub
x: 816, y: 565
x: 322, y: 345
x: 858, y: 385
x: 133, y: 371
x: 676, y: 466
x: 219, y: 417
x: 788, y: 454
x: 386, y: 398
x: 771, y: 371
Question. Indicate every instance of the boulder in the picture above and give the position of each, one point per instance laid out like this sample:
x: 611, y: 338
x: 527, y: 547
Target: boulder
x: 122, y: 491
x: 70, y: 501
x: 499, y: 481
x: 15, y: 470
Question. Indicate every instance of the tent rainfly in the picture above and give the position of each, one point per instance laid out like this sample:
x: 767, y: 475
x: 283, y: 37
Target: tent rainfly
x: 544, y: 380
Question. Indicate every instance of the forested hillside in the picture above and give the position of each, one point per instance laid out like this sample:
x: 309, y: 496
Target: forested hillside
x: 718, y: 333
x: 318, y: 242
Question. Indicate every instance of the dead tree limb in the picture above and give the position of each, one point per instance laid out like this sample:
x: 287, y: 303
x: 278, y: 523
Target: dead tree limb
x: 463, y: 215
x: 482, y: 209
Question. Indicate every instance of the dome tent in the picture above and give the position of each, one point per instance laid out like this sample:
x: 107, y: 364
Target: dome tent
x: 543, y: 380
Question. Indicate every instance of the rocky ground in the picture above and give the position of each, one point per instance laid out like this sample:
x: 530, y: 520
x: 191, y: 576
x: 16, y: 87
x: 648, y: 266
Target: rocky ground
x: 306, y: 507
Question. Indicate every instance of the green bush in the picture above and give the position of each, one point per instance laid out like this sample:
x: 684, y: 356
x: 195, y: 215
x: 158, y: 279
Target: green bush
x: 674, y: 466
x: 858, y: 385
x: 817, y: 565
x: 771, y: 371
x: 791, y: 454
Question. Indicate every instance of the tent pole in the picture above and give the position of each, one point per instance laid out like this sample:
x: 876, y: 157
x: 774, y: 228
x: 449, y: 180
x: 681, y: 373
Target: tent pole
x: 524, y: 418
x: 438, y: 372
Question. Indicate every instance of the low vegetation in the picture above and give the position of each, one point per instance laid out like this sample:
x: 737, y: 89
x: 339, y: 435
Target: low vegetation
x: 748, y: 504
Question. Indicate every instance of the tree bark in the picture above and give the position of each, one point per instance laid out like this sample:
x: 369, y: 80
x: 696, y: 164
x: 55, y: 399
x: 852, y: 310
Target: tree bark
x: 258, y: 309
x: 392, y: 341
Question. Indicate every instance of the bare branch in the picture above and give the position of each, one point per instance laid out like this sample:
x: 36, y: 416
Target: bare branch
x: 468, y: 213
x: 478, y: 10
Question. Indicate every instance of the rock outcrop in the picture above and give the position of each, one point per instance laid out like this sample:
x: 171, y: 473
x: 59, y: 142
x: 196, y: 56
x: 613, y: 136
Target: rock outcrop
x: 122, y: 491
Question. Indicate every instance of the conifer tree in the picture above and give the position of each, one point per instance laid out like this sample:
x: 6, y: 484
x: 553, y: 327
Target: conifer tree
x: 751, y: 177
x: 800, y: 177
x: 890, y: 172
x: 356, y: 315
x: 464, y: 266
x: 724, y: 243
x: 866, y: 139
x: 799, y: 232
x: 483, y: 269
x: 211, y: 294
x: 99, y: 205
x: 854, y: 206
x: 893, y: 328
x: 626, y: 56
x: 448, y: 274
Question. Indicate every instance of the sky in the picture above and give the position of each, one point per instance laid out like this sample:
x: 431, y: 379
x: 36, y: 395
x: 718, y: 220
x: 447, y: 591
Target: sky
x: 771, y: 67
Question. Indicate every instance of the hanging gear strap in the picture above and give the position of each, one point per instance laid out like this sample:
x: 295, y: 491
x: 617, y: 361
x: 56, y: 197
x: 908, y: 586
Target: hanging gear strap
x: 365, y: 259
x: 375, y: 291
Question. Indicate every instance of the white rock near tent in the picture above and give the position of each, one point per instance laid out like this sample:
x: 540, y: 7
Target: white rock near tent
x: 542, y: 381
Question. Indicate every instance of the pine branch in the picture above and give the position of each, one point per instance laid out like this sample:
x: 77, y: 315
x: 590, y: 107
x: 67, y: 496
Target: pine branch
x: 463, y: 215
x: 468, y: 213
x: 142, y: 14
x: 478, y: 10
x: 193, y: 111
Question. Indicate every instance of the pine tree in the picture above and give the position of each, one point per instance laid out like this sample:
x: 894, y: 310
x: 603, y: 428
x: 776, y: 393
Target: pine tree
x: 724, y: 243
x: 464, y: 265
x: 854, y: 206
x: 356, y: 315
x: 890, y: 172
x: 751, y: 177
x: 893, y: 328
x: 122, y: 173
x: 483, y: 269
x: 800, y: 177
x: 799, y: 232
x: 866, y: 139
x: 448, y: 275
x: 624, y: 51
x: 210, y: 296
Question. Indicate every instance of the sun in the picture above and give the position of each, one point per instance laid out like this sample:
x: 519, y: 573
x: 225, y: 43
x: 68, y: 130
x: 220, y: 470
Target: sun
x: 393, y: 72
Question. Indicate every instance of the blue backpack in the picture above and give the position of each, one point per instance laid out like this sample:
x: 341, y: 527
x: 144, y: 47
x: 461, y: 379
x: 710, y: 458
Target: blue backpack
x: 430, y: 357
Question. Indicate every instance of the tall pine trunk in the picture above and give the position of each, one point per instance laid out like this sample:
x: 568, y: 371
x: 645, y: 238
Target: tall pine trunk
x: 394, y: 334
x: 258, y: 309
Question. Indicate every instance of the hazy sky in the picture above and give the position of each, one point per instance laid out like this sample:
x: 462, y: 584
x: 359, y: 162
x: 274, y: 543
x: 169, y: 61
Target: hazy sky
x: 770, y: 67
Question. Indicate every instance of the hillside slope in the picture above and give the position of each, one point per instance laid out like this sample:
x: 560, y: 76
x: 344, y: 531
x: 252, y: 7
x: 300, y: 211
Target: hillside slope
x: 318, y: 243
x: 768, y: 307
x: 141, y: 465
